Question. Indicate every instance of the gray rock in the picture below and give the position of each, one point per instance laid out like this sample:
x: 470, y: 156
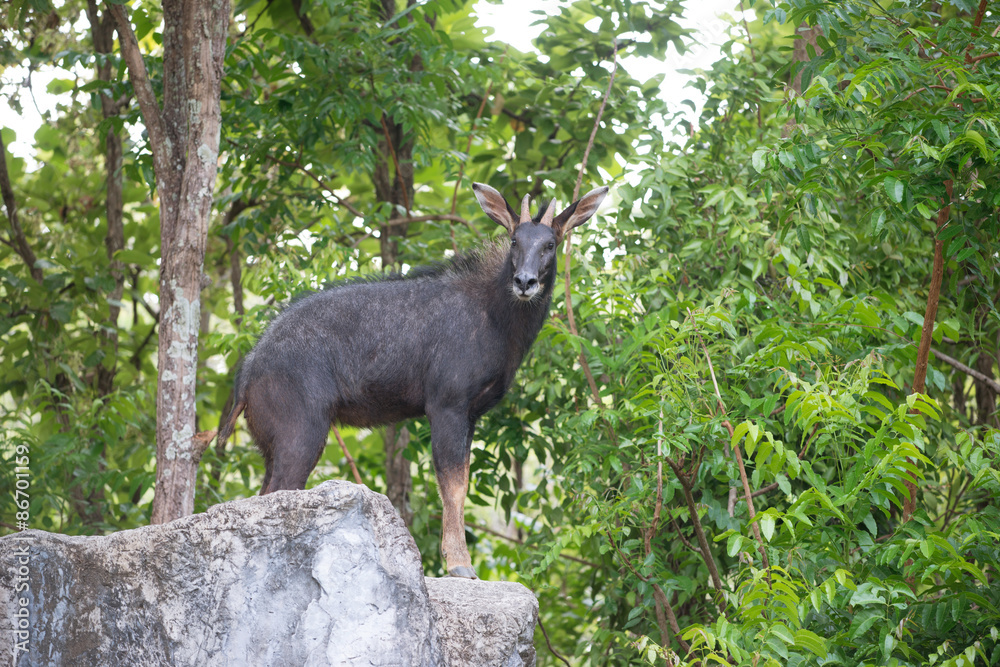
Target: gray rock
x: 328, y: 576
x: 484, y: 623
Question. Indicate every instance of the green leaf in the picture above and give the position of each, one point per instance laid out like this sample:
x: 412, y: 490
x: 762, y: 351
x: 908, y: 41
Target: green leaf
x: 871, y: 525
x: 894, y: 188
x: 782, y: 632
x: 977, y: 140
x: 865, y: 595
x: 888, y: 644
x: 784, y: 484
x: 868, y: 618
x: 966, y: 253
x: 767, y: 526
x: 134, y: 257
x: 877, y: 219
x: 811, y: 642
x: 60, y: 86
x: 758, y: 160
x: 740, y: 430
x: 734, y: 544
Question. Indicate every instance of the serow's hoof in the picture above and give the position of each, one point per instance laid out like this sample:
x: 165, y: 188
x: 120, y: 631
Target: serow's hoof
x: 463, y: 571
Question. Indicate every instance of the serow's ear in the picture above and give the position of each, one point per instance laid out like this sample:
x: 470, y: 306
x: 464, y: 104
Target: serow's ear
x: 495, y: 206
x: 579, y: 212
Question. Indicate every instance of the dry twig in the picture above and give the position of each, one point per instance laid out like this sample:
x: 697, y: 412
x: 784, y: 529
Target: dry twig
x: 549, y: 643
x: 350, y: 459
x: 567, y: 248
x: 739, y: 458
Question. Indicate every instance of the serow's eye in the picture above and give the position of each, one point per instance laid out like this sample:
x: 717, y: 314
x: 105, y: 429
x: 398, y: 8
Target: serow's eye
x: 513, y: 242
x: 551, y: 245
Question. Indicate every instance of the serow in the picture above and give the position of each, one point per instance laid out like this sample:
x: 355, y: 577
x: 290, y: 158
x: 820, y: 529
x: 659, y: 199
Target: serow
x: 443, y: 341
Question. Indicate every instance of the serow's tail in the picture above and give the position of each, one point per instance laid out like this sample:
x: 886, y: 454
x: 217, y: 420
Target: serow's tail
x: 229, y: 423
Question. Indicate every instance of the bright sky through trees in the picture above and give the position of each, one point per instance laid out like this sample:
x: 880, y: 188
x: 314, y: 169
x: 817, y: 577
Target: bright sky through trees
x: 710, y: 21
x: 511, y: 23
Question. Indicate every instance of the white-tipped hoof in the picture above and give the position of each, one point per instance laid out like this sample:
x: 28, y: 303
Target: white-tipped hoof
x: 463, y: 572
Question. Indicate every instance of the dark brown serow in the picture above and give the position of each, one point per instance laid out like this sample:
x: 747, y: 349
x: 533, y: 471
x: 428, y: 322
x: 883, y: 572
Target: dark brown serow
x: 460, y: 332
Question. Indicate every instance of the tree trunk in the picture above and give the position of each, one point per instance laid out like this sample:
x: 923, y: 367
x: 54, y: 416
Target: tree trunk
x: 236, y: 281
x: 89, y: 505
x: 930, y: 315
x: 399, y: 484
x: 398, y: 479
x: 18, y: 240
x: 184, y: 139
x: 987, y: 413
x: 804, y: 38
x: 986, y: 397
x: 103, y: 33
x: 393, y: 181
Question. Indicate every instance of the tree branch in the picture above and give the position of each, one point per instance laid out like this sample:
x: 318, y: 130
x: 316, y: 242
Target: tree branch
x: 699, y: 531
x: 958, y: 365
x: 468, y: 147
x: 136, y: 359
x: 680, y: 535
x: 568, y: 247
x: 19, y: 243
x: 319, y: 180
x: 350, y: 459
x: 235, y: 260
x: 593, y: 132
x: 524, y: 120
x: 484, y: 529
x: 549, y: 643
x: 976, y: 59
x: 305, y: 22
x: 969, y: 60
x: 773, y: 485
x: 746, y: 28
x: 739, y: 459
x: 461, y: 168
x: 662, y: 603
x: 536, y: 191
x: 980, y: 13
x: 468, y: 144
x: 142, y: 302
x: 927, y: 330
x: 392, y: 222
x: 151, y: 113
x: 267, y: 5
x: 395, y: 163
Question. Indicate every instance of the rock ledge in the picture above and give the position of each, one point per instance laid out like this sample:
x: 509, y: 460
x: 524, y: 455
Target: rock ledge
x: 328, y: 576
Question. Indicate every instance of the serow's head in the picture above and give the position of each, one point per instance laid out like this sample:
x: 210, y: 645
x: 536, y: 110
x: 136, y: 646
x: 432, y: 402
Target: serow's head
x: 533, y: 242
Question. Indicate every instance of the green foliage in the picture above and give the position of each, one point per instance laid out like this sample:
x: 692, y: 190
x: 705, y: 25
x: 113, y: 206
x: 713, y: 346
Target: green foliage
x: 789, y: 239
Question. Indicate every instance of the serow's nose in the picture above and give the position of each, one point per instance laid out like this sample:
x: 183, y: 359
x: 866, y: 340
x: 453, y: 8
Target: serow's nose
x: 524, y: 282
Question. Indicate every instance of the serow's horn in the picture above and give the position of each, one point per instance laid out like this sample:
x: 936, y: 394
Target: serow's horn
x: 549, y: 214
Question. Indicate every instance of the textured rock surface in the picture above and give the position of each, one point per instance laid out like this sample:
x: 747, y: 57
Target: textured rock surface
x: 484, y: 623
x: 322, y: 577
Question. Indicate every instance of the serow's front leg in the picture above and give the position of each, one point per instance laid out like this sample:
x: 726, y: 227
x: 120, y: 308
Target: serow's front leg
x: 451, y: 440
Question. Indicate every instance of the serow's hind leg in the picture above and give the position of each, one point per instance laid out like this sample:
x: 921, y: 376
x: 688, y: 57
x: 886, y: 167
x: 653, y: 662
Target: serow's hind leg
x: 295, y: 453
x: 451, y: 440
x: 268, y: 467
x: 264, y: 439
